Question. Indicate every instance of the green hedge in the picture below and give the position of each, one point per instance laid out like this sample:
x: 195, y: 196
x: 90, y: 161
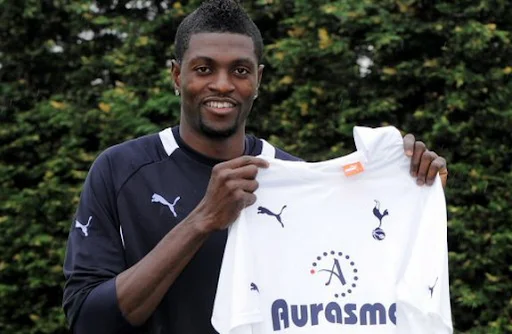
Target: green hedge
x: 441, y: 70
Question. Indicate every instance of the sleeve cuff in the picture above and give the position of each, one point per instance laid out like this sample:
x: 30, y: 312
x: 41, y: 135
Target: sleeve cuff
x: 100, y: 312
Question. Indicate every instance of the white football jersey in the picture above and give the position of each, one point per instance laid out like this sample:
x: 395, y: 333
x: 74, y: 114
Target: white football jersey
x: 349, y: 245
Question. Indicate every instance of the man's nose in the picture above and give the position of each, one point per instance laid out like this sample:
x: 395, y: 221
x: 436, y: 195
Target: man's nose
x: 222, y: 83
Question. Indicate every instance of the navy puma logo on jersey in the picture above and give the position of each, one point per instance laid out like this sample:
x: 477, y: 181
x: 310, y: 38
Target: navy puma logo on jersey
x: 254, y: 287
x: 159, y: 199
x: 431, y: 288
x: 262, y: 210
x: 84, y: 228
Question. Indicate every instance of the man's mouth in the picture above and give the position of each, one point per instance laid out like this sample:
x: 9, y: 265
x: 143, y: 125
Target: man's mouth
x: 219, y: 105
x: 220, y: 108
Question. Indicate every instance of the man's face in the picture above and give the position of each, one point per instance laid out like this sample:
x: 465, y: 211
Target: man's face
x: 218, y: 79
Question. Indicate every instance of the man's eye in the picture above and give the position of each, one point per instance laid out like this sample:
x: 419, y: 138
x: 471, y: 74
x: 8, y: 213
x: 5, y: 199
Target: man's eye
x: 203, y: 69
x: 241, y: 71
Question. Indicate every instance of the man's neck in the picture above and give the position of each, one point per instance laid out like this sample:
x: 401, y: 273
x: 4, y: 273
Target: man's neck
x: 219, y: 149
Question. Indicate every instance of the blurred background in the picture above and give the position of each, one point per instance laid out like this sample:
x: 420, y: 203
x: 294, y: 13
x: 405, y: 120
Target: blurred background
x: 78, y: 76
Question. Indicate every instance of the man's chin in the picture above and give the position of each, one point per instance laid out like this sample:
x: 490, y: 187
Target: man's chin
x: 216, y: 133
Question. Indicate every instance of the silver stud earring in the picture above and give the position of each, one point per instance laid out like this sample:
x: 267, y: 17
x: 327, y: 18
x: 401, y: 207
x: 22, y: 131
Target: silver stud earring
x: 176, y: 91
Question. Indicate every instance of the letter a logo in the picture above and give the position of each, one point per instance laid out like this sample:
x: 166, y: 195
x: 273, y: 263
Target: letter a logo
x: 335, y: 271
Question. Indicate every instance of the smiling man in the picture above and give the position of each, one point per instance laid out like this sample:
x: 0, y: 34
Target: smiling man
x: 158, y: 206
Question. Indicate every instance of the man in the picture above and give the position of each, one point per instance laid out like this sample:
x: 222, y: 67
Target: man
x: 145, y: 249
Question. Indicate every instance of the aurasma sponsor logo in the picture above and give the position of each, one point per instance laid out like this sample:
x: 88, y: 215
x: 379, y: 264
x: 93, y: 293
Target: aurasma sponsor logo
x: 285, y: 315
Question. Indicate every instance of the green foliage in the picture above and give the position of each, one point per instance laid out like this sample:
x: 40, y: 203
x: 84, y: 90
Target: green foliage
x: 78, y: 76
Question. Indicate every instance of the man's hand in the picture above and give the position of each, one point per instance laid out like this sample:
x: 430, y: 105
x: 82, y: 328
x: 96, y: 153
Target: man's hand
x: 425, y: 164
x: 231, y: 189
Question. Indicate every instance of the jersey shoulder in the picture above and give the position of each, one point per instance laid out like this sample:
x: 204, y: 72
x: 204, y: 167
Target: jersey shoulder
x: 264, y: 148
x: 121, y: 161
x: 282, y: 155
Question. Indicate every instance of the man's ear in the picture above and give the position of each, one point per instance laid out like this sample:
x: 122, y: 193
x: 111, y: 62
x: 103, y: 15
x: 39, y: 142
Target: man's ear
x: 260, y: 73
x: 176, y: 74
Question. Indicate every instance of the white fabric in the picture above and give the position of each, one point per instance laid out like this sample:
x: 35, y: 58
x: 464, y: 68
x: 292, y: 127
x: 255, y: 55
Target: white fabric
x: 305, y: 283
x: 267, y: 150
x: 168, y: 140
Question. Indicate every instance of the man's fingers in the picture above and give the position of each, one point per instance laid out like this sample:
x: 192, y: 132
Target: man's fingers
x: 244, y: 172
x: 424, y: 168
x: 438, y: 165
x: 419, y: 149
x: 409, y: 141
x: 443, y: 173
x: 250, y: 199
x: 244, y: 198
x: 243, y: 161
x: 249, y: 186
x: 240, y: 168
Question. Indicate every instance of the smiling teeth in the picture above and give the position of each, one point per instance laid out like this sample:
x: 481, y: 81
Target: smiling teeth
x: 214, y: 104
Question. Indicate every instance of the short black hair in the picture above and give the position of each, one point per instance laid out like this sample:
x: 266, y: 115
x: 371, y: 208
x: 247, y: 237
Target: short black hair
x: 217, y: 16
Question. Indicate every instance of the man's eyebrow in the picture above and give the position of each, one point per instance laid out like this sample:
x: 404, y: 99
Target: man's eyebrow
x: 209, y: 60
x: 244, y: 61
x: 202, y: 58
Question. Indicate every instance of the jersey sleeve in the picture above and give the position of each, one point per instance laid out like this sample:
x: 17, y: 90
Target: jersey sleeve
x: 423, y: 297
x: 94, y: 257
x: 236, y: 306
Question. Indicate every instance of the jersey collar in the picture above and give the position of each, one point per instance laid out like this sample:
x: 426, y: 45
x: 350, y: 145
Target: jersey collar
x: 172, y: 140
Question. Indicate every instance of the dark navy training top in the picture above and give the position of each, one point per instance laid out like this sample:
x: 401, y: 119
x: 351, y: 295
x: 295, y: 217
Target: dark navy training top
x: 134, y: 194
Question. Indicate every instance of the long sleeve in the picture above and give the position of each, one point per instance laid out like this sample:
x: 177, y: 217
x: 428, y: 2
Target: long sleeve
x: 94, y: 257
x: 423, y: 298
